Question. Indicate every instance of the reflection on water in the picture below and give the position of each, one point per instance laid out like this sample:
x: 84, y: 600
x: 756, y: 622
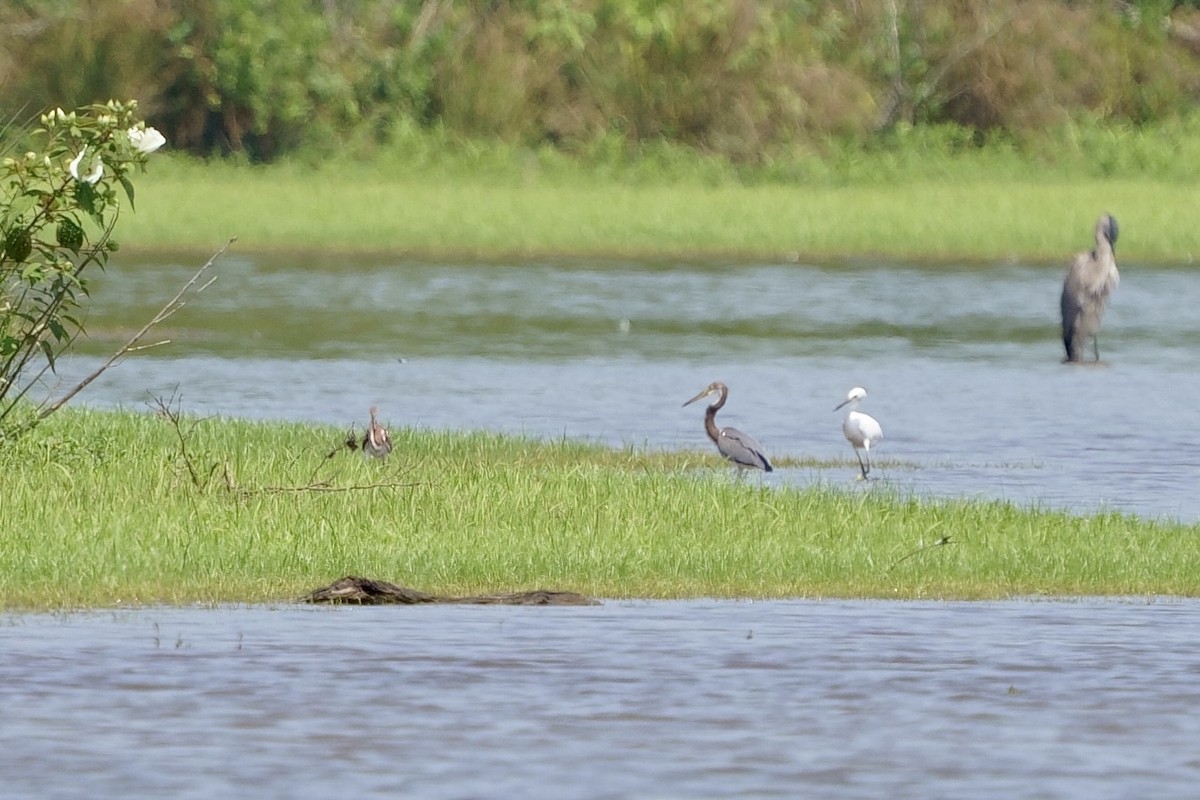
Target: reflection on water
x: 962, y: 365
x: 627, y: 700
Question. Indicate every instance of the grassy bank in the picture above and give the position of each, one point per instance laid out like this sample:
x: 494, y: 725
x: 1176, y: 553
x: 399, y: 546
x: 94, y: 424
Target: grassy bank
x: 985, y: 208
x: 101, y: 509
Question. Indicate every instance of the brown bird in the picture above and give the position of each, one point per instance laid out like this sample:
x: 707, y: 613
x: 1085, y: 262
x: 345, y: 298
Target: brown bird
x: 376, y: 442
x: 1089, y: 282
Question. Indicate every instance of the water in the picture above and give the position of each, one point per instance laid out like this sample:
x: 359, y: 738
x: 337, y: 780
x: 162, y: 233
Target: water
x: 1090, y: 699
x: 1086, y: 699
x: 962, y: 364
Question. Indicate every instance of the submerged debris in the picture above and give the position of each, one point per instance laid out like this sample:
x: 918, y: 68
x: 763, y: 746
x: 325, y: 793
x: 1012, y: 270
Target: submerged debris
x: 367, y: 591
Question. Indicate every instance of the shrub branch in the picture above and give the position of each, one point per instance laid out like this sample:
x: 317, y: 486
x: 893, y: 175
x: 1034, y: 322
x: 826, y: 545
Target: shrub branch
x: 168, y: 409
x: 174, y: 304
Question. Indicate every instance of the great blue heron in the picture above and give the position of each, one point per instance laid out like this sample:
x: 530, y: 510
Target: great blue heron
x: 1091, y: 279
x: 376, y: 442
x: 862, y: 430
x: 738, y: 447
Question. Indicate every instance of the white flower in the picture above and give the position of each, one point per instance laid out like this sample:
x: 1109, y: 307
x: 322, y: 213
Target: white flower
x: 97, y: 168
x: 146, y: 141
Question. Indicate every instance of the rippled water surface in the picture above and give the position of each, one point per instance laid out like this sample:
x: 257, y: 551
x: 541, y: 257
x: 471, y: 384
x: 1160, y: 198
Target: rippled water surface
x: 1087, y: 700
x: 962, y: 364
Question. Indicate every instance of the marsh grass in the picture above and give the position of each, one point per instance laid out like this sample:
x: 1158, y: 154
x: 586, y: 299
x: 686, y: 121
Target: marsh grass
x: 100, y: 511
x: 920, y: 202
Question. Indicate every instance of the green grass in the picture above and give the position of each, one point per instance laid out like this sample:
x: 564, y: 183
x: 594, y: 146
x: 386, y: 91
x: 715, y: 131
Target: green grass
x: 987, y: 208
x: 100, y: 511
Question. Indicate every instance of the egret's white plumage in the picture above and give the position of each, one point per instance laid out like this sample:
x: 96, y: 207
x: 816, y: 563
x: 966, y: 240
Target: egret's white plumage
x: 862, y: 430
x: 1090, y: 281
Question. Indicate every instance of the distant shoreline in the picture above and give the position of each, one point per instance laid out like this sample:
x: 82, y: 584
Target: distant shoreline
x: 979, y: 217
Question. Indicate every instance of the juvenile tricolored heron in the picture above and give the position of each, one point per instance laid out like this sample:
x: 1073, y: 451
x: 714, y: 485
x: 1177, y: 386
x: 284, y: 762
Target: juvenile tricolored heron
x: 862, y: 430
x: 376, y: 442
x: 740, y: 448
x: 1091, y: 279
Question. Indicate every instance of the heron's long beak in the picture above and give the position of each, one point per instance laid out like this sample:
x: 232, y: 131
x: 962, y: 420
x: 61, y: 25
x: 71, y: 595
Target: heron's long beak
x: 842, y: 404
x: 703, y: 394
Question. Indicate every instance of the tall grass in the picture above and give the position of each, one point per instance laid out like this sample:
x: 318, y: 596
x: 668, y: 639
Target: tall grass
x: 101, y: 510
x: 484, y: 204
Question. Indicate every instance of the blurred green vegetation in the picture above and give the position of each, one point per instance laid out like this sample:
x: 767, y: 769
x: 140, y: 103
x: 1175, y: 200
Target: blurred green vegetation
x: 756, y: 83
x: 488, y: 203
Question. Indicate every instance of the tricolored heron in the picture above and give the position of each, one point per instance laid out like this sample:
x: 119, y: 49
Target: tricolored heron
x: 376, y: 442
x: 738, y: 447
x: 862, y: 430
x: 1091, y: 279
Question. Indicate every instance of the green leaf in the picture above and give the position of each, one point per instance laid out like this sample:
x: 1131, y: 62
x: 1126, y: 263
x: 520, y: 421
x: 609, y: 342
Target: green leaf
x: 48, y: 351
x: 85, y: 195
x: 19, y: 205
x: 128, y: 191
x: 34, y: 274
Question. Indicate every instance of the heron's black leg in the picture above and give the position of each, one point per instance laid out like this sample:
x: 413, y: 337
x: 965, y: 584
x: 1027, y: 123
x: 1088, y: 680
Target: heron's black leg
x: 1096, y: 347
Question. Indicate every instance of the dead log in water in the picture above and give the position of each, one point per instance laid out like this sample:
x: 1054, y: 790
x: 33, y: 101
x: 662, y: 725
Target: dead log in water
x: 370, y: 592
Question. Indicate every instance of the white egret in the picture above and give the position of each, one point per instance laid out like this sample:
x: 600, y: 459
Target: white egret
x: 862, y: 430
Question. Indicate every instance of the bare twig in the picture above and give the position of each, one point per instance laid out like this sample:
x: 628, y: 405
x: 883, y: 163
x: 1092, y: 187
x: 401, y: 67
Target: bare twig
x: 174, y: 304
x: 349, y: 443
x: 169, y: 410
x: 141, y: 347
x: 942, y: 542
x: 325, y: 487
